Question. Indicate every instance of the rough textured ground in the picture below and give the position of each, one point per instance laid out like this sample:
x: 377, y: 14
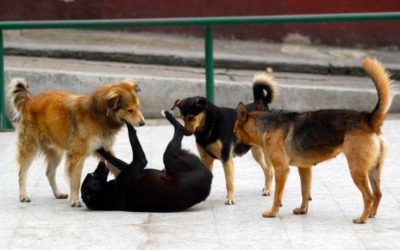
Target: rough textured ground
x: 47, y: 223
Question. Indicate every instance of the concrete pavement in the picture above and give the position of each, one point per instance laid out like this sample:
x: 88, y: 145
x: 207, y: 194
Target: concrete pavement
x: 47, y: 223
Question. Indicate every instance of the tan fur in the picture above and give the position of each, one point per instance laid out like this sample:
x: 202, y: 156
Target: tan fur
x: 363, y: 146
x: 194, y: 123
x: 229, y: 179
x: 266, y: 166
x: 267, y: 79
x: 207, y: 160
x: 55, y: 122
x: 215, y: 148
x: 382, y: 82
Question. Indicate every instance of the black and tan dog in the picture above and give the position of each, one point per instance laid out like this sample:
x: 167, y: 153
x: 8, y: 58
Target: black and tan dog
x: 304, y: 139
x: 184, y: 183
x: 213, y: 129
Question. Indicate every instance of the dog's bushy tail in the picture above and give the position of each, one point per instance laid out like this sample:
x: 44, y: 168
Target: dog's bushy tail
x: 19, y: 95
x: 264, y: 82
x: 381, y: 79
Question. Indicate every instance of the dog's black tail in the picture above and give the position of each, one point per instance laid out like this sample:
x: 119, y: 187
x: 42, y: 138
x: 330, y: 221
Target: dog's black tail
x: 264, y: 82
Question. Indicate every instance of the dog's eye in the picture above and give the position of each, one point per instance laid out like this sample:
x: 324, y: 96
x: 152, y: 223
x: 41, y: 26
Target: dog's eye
x: 190, y: 118
x: 130, y: 110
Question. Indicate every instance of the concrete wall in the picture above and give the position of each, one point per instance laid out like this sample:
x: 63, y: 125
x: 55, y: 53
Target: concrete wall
x: 160, y: 93
x: 366, y: 33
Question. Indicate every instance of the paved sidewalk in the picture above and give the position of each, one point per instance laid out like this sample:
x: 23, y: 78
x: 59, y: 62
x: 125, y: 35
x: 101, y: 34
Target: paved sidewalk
x: 47, y: 223
x: 178, y: 50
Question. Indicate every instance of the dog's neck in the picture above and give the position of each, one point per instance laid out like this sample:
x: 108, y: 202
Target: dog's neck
x: 101, y: 112
x: 208, y: 124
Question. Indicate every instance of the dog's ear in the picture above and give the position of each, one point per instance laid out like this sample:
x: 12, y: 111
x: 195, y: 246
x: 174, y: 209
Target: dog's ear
x: 242, y: 113
x: 201, y: 103
x: 260, y: 106
x: 133, y: 83
x: 176, y: 104
x: 113, y: 100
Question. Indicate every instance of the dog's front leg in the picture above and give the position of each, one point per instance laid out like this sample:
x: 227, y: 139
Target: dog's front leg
x: 207, y: 160
x: 266, y: 166
x: 281, y: 173
x: 229, y: 177
x: 75, y: 163
x: 305, y: 178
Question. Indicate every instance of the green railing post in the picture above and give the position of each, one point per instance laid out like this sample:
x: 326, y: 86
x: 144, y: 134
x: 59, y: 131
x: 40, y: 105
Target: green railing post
x: 5, y: 124
x: 209, y: 63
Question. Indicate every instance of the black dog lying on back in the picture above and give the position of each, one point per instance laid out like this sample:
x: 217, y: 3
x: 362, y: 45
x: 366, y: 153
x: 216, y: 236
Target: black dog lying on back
x: 184, y: 183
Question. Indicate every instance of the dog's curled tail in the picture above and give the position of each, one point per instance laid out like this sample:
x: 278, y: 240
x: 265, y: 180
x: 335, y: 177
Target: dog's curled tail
x: 381, y: 79
x: 18, y: 94
x: 261, y: 82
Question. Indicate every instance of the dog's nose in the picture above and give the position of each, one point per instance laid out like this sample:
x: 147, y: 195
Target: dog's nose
x: 142, y: 123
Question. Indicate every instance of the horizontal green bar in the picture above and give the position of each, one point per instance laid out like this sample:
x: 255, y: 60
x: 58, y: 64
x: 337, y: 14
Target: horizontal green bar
x: 110, y: 23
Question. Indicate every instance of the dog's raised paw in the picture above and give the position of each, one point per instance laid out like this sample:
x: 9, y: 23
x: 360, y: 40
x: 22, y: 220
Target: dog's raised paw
x: 164, y: 113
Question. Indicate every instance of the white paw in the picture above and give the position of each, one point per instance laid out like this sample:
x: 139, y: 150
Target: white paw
x: 230, y: 201
x: 24, y: 198
x: 266, y: 192
x: 163, y: 112
x: 61, y: 196
x: 76, y: 203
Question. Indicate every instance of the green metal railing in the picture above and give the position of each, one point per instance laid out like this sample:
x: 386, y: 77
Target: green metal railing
x: 208, y: 22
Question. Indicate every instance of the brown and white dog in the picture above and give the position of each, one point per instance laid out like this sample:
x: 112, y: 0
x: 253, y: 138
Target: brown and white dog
x: 58, y: 122
x: 305, y: 139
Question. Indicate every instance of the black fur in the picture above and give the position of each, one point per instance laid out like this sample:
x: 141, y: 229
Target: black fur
x: 184, y: 183
x: 315, y: 131
x: 220, y: 121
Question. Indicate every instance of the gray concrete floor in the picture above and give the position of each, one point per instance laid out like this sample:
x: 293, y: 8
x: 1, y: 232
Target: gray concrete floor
x: 47, y: 223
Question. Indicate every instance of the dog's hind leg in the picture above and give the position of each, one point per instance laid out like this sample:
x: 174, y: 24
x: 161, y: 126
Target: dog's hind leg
x: 173, y: 150
x: 375, y: 179
x: 306, y: 179
x: 139, y: 157
x: 53, y: 159
x: 27, y: 150
x: 362, y: 158
x: 266, y: 166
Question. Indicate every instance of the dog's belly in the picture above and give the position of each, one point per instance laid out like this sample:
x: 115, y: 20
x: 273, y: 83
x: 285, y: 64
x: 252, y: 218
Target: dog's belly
x: 94, y: 143
x: 312, y: 158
